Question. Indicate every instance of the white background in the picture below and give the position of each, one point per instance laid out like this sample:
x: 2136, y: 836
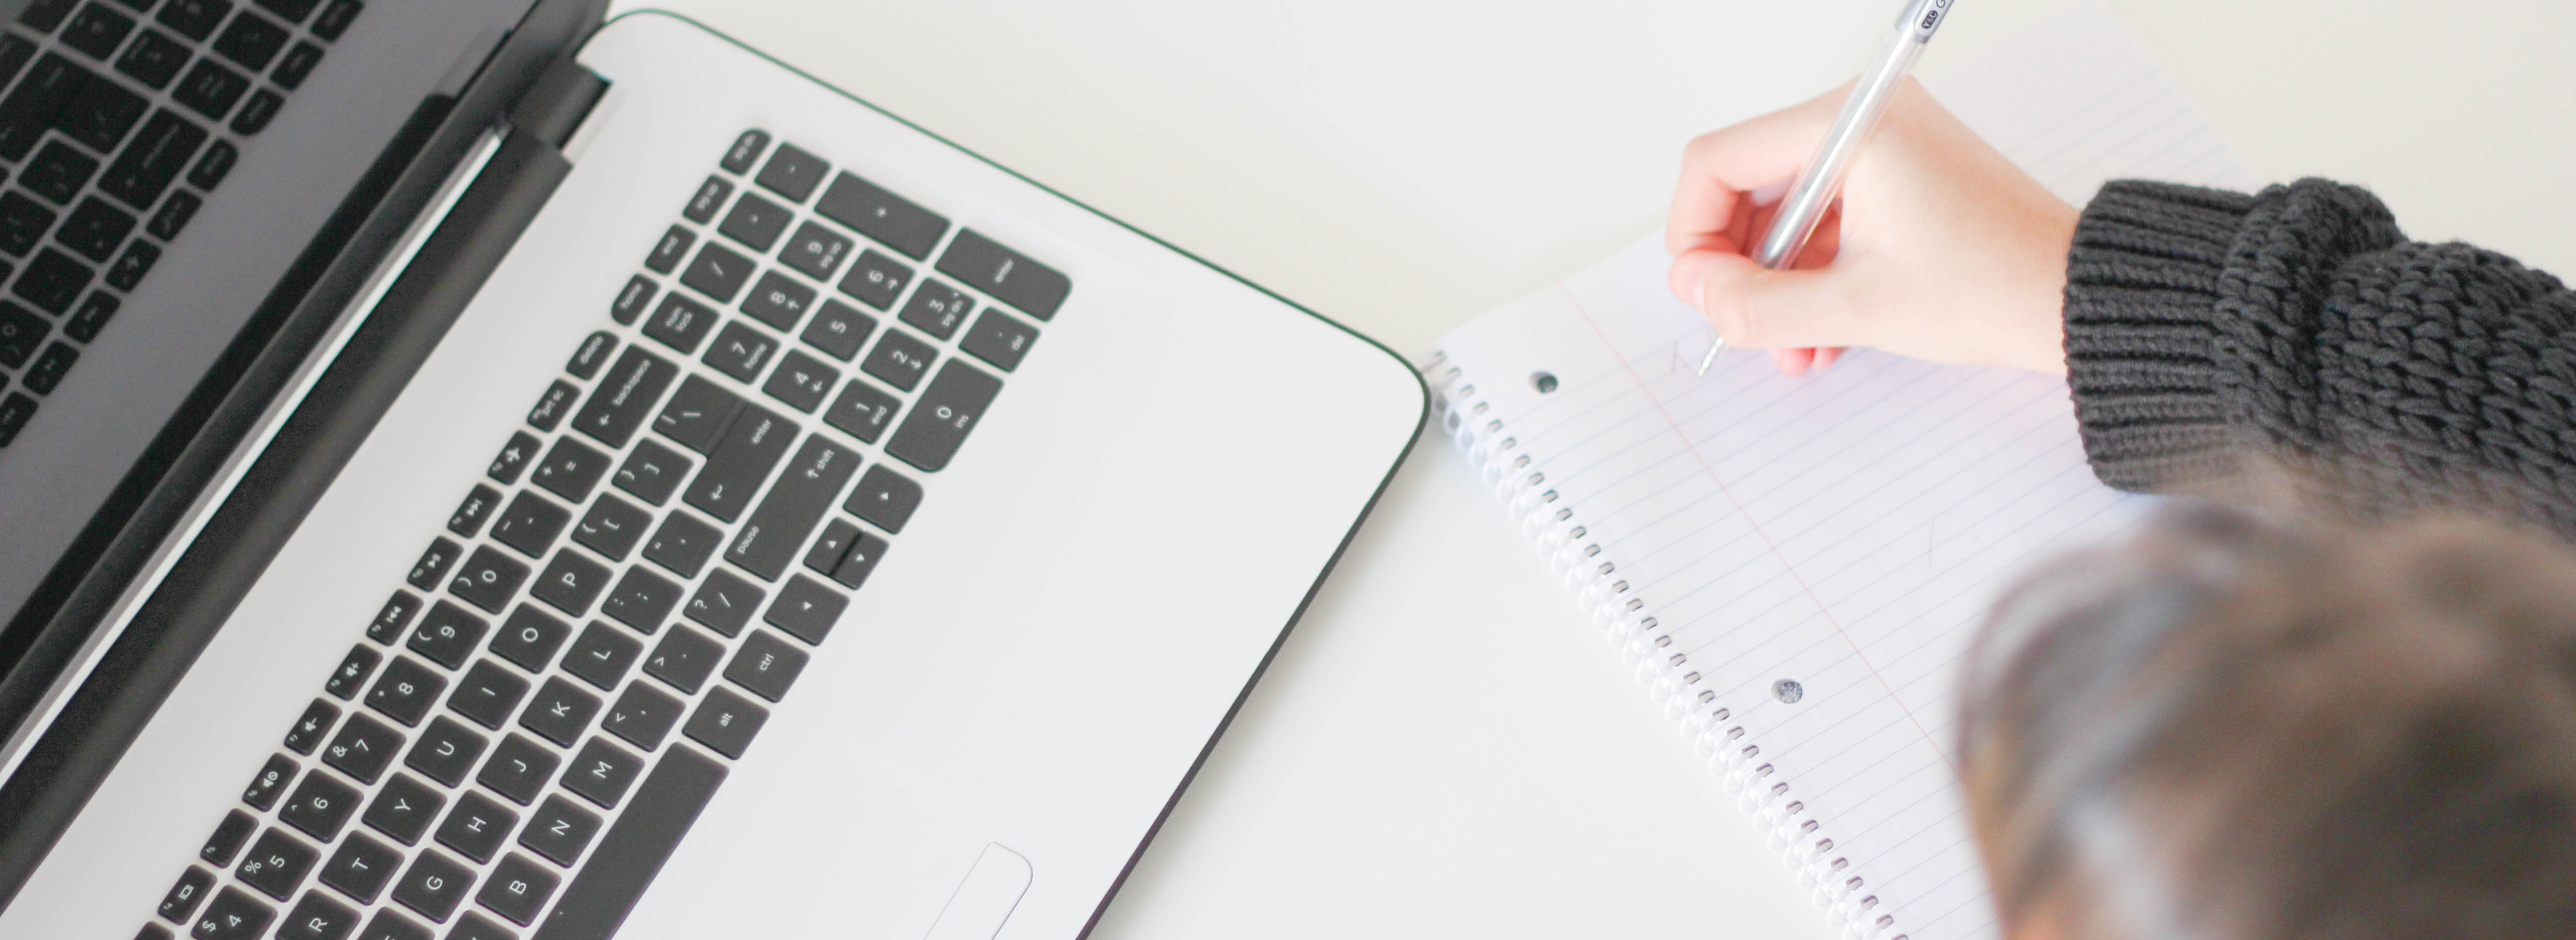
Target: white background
x: 1436, y: 751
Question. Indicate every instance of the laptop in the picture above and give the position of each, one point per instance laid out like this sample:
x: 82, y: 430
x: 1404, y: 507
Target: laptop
x: 475, y: 470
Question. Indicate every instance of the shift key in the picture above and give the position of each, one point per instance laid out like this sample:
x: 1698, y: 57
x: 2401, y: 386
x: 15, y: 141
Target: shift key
x: 625, y: 397
x: 950, y: 408
x: 804, y: 492
x: 740, y: 461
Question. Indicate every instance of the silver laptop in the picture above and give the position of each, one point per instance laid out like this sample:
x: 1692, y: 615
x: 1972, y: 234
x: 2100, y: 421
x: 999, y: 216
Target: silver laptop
x: 630, y: 488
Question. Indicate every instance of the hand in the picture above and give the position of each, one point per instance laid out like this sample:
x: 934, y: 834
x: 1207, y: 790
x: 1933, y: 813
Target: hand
x: 1940, y: 249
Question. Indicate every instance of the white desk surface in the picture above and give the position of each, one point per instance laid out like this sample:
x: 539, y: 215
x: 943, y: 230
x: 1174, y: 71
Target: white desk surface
x: 1436, y: 751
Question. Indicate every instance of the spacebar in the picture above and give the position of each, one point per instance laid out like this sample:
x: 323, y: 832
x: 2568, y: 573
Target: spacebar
x: 635, y: 847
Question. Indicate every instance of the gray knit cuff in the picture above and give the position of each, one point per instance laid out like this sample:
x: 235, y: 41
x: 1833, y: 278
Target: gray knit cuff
x: 2142, y: 285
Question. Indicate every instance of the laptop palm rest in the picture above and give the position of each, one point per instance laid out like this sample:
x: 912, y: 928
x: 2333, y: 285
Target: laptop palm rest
x: 985, y: 899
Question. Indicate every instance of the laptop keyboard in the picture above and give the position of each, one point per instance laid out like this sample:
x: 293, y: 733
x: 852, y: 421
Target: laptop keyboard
x: 110, y: 107
x: 540, y: 710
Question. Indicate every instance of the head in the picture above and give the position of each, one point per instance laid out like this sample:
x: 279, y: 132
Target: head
x: 2234, y: 729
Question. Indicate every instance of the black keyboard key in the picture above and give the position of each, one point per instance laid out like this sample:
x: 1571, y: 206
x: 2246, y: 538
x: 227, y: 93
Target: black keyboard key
x: 352, y: 673
x: 681, y: 323
x: 670, y: 249
x: 273, y: 776
x: 433, y: 886
x: 394, y: 616
x: 719, y: 272
x: 697, y: 415
x: 571, y: 470
x: 477, y: 826
x: 518, y: 769
x: 876, y: 280
x: 361, y: 867
x: 709, y: 198
x: 312, y: 726
x: 251, y: 40
x: 641, y: 600
x: 560, y: 829
x: 152, y: 931
x: 900, y: 358
x: 839, y: 330
x: 937, y: 309
x: 21, y: 334
x: 863, y: 410
x: 335, y: 19
x: 488, y: 579
x: 684, y: 658
x: 321, y: 805
x: 725, y: 722
x: 58, y: 172
x: 210, y: 89
x: 746, y: 151
x: 477, y: 509
x: 602, y: 772
x: 642, y: 715
x: 97, y: 30
x: 816, y: 251
x: 44, y: 15
x: 14, y: 412
x: 391, y: 925
x: 807, y: 608
x: 153, y: 160
x: 634, y: 848
x: 802, y: 382
x: 939, y: 423
x: 571, y: 582
x: 553, y: 405
x: 49, y: 369
x: 182, y: 898
x: 474, y: 926
x: 15, y: 51
x: 23, y: 223
x: 778, y: 301
x: 612, y: 527
x: 831, y: 546
x: 35, y: 100
x: 403, y: 809
x: 167, y: 223
x: 530, y: 638
x: 1000, y: 339
x: 740, y: 351
x: 733, y: 474
x: 756, y: 223
x: 403, y: 693
x: 95, y: 310
x: 1009, y: 276
x: 257, y: 112
x: 853, y: 570
x: 363, y: 747
x: 53, y: 281
x: 768, y: 542
x: 766, y: 665
x: 317, y: 917
x: 296, y: 66
x: 725, y: 602
x: 486, y: 695
x: 882, y: 215
x: 276, y: 864
x: 793, y: 173
x: 195, y: 19
x: 602, y: 655
x: 446, y: 751
x: 625, y: 398
x: 884, y: 498
x: 518, y: 890
x: 228, y: 839
x: 448, y: 634
x: 233, y: 915
x: 633, y: 300
x: 514, y: 459
x: 591, y: 354
x: 560, y: 711
x: 214, y: 165
x: 653, y: 472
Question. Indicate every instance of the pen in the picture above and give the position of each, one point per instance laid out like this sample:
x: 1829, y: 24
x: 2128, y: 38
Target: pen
x: 1823, y: 180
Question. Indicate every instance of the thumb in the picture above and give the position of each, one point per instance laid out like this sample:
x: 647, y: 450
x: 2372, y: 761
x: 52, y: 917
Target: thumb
x: 1758, y: 309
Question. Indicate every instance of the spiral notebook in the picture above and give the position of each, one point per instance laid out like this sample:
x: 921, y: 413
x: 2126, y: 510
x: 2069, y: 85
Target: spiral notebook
x: 1795, y: 566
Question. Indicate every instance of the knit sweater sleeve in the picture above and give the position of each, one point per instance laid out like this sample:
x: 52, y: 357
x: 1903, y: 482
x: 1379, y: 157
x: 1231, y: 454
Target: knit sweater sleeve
x: 2301, y: 326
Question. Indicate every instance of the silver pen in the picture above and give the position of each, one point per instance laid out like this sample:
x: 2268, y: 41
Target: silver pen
x: 1817, y: 188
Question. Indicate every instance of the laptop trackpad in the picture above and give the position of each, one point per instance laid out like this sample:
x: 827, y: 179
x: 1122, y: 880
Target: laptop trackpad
x: 984, y: 901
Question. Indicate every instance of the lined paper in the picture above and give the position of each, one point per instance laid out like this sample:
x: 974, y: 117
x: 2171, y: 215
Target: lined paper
x: 1844, y: 531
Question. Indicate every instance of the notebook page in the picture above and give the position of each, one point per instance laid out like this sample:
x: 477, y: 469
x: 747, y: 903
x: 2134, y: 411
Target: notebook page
x: 1842, y: 532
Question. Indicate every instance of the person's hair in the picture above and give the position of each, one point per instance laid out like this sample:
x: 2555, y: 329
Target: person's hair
x: 2239, y: 729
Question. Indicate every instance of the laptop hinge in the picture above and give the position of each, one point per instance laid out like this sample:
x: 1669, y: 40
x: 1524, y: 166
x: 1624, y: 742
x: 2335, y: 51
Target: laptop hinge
x: 555, y: 106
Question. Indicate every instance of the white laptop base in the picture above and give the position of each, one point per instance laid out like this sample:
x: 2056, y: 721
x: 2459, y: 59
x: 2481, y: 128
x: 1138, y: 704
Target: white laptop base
x: 1018, y: 689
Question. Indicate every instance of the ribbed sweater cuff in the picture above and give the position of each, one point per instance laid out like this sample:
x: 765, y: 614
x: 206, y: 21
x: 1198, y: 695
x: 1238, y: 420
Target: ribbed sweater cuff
x: 2141, y: 285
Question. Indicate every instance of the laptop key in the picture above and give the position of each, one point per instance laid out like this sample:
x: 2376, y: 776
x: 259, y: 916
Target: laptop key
x: 352, y: 673
x: 467, y: 521
x: 684, y: 658
x: 653, y: 472
x: 233, y: 915
x: 34, y: 101
x: 14, y: 412
x: 778, y: 301
x: 625, y: 398
x: 252, y: 41
x: 518, y: 889
x: 601, y: 773
x: 257, y: 112
x: 719, y: 272
x: 746, y: 151
x: 215, y: 164
x: 725, y: 722
x: 181, y: 900
x: 768, y: 541
x: 488, y: 579
x: 571, y: 582
x: 101, y: 113
x: 361, y: 867
x: 317, y: 917
x: 393, y: 617
x: 228, y: 839
x: 513, y: 460
x: 44, y: 15
x: 433, y: 886
x: 877, y: 280
x: 1000, y: 339
x: 612, y: 527
x: 697, y: 415
x: 320, y: 806
x: 602, y: 655
x: 95, y: 310
x: 853, y: 570
x: 23, y: 223
x: 362, y: 749
x: 518, y: 769
x: 1009, y: 276
x: 725, y: 602
x: 740, y: 351
x: 863, y: 410
x: 633, y: 300
x: 815, y: 251
x: 756, y: 222
x: 404, y: 693
x: 667, y: 252
x: 940, y: 421
x: 710, y: 197
x: 552, y: 405
x: 884, y: 498
x: 560, y: 712
x: 403, y: 809
x: 389, y: 924
x: 276, y: 864
x: 831, y: 546
x: 560, y: 828
x: 641, y: 600
x: 680, y: 323
x: 766, y: 665
x: 310, y: 727
x: 882, y: 215
x: 156, y: 156
x: 474, y: 926
x: 97, y: 31
x: 58, y: 172
x: 807, y: 608
x: 751, y: 447
x: 530, y: 638
x: 264, y: 789
x: 296, y: 66
x: 448, y: 635
x: 591, y: 355
x: 634, y: 848
x: 477, y: 826
x: 166, y: 224
x: 446, y: 751
x: 487, y: 695
x: 937, y: 309
x: 802, y: 382
x: 335, y: 19
x: 642, y: 715
x: 571, y: 470
x: 53, y: 281
x: 839, y: 330
x: 793, y: 173
x: 900, y: 359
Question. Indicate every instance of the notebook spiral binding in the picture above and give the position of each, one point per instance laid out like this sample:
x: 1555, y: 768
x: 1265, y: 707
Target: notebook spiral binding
x: 1630, y: 627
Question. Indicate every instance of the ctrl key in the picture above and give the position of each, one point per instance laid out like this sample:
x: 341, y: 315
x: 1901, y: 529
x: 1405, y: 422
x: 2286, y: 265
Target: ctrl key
x: 234, y: 915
